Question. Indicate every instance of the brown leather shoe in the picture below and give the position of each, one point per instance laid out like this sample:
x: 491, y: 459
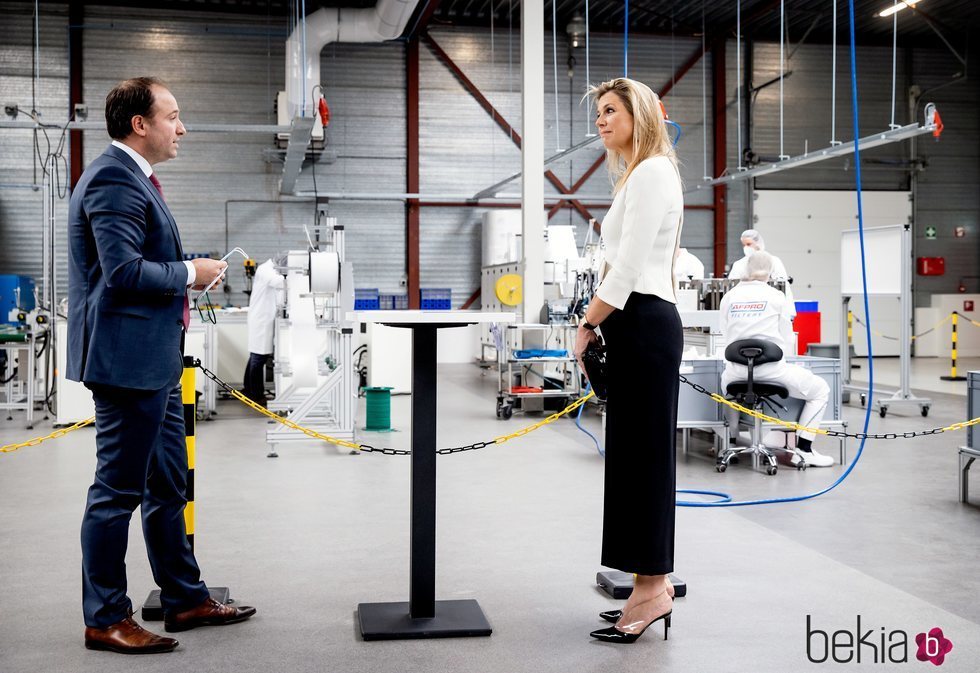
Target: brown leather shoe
x: 127, y: 637
x: 208, y: 613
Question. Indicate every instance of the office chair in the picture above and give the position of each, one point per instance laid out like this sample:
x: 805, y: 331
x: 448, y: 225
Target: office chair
x: 754, y: 394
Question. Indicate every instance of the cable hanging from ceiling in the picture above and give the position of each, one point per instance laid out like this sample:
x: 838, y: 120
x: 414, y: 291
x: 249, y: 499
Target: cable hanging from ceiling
x: 493, y: 70
x: 626, y: 39
x: 833, y: 85
x: 554, y: 67
x: 738, y: 81
x: 704, y: 99
x: 588, y: 76
x: 893, y: 125
x: 782, y: 74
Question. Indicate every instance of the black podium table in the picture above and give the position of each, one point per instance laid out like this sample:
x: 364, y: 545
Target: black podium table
x: 422, y: 616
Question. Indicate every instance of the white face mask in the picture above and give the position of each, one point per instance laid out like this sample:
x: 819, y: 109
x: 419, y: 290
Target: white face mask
x: 748, y: 250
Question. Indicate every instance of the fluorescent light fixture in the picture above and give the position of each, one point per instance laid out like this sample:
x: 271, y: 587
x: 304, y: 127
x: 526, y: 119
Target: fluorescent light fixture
x: 897, y: 7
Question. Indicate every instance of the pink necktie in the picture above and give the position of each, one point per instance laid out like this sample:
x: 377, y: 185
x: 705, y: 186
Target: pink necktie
x: 156, y: 183
x: 187, y: 305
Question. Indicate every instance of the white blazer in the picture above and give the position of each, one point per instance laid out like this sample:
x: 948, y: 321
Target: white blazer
x: 641, y: 232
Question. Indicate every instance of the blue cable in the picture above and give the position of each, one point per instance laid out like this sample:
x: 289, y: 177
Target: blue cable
x: 578, y: 424
x: 867, y: 326
x: 626, y: 39
x: 677, y: 126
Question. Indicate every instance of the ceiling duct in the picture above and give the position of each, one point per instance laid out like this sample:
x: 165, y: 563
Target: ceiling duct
x: 385, y: 21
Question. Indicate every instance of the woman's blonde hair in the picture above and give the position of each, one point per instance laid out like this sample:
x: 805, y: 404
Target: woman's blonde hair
x: 650, y: 137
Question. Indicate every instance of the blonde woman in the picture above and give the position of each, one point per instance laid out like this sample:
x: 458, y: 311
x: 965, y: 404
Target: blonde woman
x: 634, y: 310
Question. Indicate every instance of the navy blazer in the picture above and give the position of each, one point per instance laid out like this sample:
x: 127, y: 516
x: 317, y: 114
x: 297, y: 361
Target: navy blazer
x: 126, y: 280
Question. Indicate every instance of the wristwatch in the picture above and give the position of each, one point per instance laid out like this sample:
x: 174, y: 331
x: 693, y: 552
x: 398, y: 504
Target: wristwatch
x: 589, y: 326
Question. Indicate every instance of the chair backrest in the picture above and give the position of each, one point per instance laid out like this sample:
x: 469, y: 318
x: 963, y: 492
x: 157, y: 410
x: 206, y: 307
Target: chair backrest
x: 760, y: 351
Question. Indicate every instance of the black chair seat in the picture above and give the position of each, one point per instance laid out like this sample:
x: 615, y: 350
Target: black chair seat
x: 760, y: 388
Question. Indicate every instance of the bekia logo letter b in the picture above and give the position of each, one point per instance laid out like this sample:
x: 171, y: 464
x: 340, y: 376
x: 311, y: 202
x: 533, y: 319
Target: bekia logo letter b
x: 933, y: 646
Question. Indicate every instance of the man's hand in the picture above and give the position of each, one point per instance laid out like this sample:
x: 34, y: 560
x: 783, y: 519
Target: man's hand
x: 207, y: 270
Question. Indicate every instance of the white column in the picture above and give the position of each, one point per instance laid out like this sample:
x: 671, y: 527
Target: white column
x: 532, y: 156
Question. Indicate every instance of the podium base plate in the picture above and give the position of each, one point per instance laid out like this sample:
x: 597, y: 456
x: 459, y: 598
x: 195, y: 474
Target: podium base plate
x: 391, y: 621
x: 620, y: 585
x: 153, y: 611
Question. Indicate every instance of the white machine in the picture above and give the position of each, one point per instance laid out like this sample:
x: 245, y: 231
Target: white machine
x: 314, y: 370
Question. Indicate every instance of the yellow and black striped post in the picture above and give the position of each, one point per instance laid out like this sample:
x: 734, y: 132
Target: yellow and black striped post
x: 952, y: 369
x: 850, y: 328
x: 153, y: 608
x: 188, y: 395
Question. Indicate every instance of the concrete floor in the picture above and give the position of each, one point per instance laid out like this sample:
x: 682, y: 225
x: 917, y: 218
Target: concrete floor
x: 309, y: 535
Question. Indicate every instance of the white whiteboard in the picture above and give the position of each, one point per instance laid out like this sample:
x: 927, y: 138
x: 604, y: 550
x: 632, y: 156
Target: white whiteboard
x: 882, y: 255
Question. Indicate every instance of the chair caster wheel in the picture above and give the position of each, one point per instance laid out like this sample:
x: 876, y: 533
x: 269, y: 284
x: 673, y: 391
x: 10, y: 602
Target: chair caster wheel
x: 882, y: 411
x: 801, y: 467
x: 925, y: 411
x: 721, y: 467
x: 771, y: 470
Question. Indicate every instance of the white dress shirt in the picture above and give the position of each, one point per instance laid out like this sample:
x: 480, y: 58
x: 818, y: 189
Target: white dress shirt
x: 148, y: 171
x: 641, y: 231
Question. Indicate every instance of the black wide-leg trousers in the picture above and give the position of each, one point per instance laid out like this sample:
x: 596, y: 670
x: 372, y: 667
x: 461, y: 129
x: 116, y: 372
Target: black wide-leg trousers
x: 644, y: 343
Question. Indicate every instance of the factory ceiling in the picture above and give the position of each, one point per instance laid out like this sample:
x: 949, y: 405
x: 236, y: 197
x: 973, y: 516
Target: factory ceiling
x: 810, y: 19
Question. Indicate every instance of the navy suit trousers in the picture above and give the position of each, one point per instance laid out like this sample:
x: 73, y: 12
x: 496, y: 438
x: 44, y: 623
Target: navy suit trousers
x: 142, y: 462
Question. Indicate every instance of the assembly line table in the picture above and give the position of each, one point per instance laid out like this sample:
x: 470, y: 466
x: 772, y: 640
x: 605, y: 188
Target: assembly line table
x: 423, y: 616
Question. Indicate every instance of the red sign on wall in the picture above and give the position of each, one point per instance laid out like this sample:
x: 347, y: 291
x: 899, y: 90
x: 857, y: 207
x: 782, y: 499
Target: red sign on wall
x: 967, y: 305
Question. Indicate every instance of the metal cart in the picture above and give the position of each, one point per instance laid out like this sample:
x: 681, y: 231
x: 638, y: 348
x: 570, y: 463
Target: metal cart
x: 524, y: 383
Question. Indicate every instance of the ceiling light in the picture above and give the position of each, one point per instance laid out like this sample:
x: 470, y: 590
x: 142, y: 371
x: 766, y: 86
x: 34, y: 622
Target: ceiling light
x: 897, y: 7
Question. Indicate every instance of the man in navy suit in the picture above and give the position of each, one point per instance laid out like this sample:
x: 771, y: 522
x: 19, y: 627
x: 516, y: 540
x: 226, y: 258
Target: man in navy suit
x: 127, y: 314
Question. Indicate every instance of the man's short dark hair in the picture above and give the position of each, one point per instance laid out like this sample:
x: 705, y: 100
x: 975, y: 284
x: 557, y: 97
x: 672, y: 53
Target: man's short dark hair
x: 126, y: 100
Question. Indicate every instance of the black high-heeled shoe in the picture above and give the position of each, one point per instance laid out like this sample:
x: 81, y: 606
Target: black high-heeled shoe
x: 614, y: 635
x: 612, y: 616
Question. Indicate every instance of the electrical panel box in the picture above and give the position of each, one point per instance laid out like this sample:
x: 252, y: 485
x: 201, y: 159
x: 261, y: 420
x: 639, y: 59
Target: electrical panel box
x: 16, y: 294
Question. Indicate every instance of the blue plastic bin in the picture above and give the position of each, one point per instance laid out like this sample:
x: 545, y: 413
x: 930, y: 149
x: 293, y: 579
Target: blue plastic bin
x: 366, y: 299
x: 436, y: 299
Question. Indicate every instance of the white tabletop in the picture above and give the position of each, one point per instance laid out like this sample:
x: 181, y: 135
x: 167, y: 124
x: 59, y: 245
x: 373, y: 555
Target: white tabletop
x: 403, y: 317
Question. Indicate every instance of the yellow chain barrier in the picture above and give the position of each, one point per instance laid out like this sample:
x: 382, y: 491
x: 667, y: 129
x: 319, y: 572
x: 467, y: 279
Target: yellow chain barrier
x: 818, y: 431
x: 10, y: 448
x: 914, y: 336
x: 551, y: 419
x: 289, y: 424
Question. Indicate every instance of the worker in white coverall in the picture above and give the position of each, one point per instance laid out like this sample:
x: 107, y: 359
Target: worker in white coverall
x: 687, y: 266
x: 751, y: 243
x: 755, y: 310
x: 262, y: 306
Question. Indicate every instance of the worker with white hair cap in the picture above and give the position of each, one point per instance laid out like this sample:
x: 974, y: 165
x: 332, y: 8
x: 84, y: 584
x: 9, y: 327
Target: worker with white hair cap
x: 687, y: 266
x: 755, y: 310
x: 752, y: 242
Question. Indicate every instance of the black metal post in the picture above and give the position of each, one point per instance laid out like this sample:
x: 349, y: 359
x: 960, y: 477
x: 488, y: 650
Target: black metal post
x: 422, y: 593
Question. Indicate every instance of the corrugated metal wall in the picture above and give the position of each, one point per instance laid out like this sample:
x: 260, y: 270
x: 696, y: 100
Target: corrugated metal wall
x: 463, y: 151
x: 228, y: 69
x: 20, y: 170
x: 948, y: 193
